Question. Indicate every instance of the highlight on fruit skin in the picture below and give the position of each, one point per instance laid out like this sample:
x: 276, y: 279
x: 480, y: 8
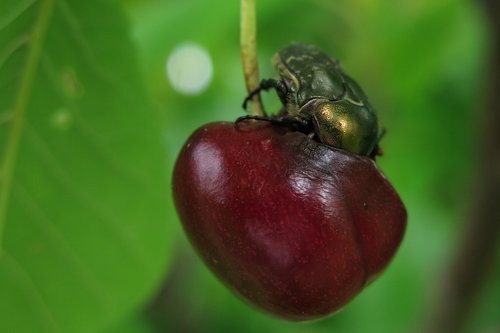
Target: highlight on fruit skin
x: 295, y: 227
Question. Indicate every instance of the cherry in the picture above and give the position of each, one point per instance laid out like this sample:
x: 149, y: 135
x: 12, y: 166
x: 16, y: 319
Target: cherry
x: 296, y: 227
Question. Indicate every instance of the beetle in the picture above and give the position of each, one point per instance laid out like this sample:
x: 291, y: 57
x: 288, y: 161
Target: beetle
x: 317, y: 94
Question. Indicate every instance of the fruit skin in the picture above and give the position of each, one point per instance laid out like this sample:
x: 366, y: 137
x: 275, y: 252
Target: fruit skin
x: 295, y: 227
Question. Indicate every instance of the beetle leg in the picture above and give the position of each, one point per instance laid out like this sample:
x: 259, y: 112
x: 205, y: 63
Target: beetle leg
x: 254, y: 117
x: 266, y: 84
x: 292, y: 120
x: 286, y: 120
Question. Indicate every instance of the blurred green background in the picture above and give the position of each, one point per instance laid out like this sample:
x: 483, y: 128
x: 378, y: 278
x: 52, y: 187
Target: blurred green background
x: 89, y: 237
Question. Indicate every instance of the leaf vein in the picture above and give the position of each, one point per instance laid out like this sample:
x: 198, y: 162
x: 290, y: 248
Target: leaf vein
x: 80, y: 39
x: 40, y: 217
x: 13, y: 47
x: 19, y: 110
x: 14, y: 14
x: 61, y: 176
x: 22, y: 276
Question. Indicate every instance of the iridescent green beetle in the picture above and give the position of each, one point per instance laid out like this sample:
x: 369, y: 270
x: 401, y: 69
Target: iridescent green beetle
x: 316, y: 92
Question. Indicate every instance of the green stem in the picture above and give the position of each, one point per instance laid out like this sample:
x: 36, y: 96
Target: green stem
x: 19, y: 109
x: 249, y: 54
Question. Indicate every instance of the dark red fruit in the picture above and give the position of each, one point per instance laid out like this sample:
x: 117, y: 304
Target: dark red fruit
x: 296, y: 227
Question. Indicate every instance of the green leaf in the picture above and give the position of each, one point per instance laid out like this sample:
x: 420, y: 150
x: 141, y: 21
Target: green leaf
x: 84, y: 189
x: 139, y: 323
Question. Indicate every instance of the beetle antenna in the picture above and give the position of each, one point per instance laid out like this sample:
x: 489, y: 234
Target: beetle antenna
x: 381, y: 135
x: 377, y: 151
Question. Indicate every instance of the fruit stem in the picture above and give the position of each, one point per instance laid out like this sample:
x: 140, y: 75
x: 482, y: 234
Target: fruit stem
x: 248, y: 44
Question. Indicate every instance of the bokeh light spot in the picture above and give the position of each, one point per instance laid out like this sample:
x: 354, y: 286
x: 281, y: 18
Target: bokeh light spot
x: 189, y: 68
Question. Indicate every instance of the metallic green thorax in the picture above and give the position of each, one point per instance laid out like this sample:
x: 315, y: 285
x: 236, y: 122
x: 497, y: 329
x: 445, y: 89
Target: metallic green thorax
x: 317, y: 89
